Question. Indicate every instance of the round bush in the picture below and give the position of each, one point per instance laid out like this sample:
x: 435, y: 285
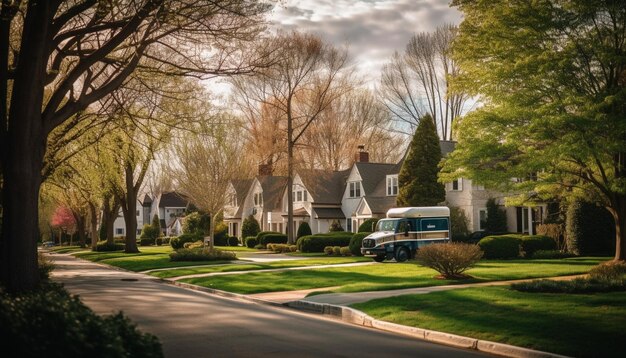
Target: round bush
x: 356, y: 242
x: 250, y: 227
x: 328, y: 250
x: 449, y: 259
x: 368, y: 225
x: 273, y: 239
x: 158, y: 241
x: 500, y: 247
x: 532, y: 244
x: 233, y: 241
x: 345, y: 251
x: 316, y: 243
x: 250, y: 242
x: 179, y: 242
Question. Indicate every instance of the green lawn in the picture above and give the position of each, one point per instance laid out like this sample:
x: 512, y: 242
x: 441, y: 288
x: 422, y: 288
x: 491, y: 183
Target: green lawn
x: 388, y: 276
x: 151, y: 257
x: 589, y: 325
x: 258, y: 266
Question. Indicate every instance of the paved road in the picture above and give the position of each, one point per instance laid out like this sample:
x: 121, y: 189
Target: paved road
x: 196, y: 324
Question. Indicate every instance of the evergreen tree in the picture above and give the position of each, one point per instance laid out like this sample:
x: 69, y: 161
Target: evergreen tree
x: 496, y: 218
x: 250, y: 227
x: 156, y: 223
x: 303, y: 230
x: 417, y: 181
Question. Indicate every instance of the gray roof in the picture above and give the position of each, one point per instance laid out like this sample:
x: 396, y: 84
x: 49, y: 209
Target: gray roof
x: 325, y: 186
x: 242, y: 187
x: 173, y: 200
x: 329, y: 213
x: 373, y: 173
x: 273, y: 187
x: 146, y: 200
x: 380, y: 204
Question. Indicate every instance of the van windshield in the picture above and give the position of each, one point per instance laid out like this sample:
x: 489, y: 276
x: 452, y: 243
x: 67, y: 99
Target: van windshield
x: 386, y: 225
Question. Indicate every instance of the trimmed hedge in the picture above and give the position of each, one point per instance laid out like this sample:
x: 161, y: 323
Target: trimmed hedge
x: 201, y: 254
x: 103, y: 246
x: 273, y: 239
x: 220, y: 240
x: 263, y: 233
x: 250, y: 242
x: 531, y: 244
x: 49, y: 322
x: 147, y: 241
x: 500, y: 247
x: 590, y: 230
x: 317, y: 243
x: 178, y: 242
x: 368, y: 225
x: 356, y: 242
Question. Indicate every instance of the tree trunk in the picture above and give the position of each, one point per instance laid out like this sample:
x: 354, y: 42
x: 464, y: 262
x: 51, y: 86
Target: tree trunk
x: 211, y: 232
x: 109, y: 214
x: 619, y: 214
x: 129, y: 208
x: 93, y: 212
x: 23, y: 152
x: 81, y: 227
x: 290, y: 144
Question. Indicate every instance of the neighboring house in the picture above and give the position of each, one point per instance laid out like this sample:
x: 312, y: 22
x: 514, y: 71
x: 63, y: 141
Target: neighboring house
x: 176, y: 227
x: 170, y: 206
x: 119, y: 226
x: 366, y: 190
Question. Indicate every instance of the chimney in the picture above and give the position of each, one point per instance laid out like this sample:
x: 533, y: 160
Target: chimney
x: 362, y: 156
x: 265, y: 169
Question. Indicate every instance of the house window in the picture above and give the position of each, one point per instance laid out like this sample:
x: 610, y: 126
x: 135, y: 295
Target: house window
x: 119, y: 231
x: 349, y: 225
x: 305, y: 194
x: 233, y: 200
x: 137, y: 212
x: 482, y: 219
x: 258, y: 199
x: 457, y: 184
x: 355, y: 189
x: 392, y: 185
x: 299, y: 193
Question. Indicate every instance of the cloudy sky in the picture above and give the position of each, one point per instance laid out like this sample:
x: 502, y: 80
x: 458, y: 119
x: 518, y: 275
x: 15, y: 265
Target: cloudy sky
x: 372, y: 29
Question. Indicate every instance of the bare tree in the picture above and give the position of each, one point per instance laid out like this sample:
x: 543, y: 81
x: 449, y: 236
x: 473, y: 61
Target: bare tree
x: 72, y: 53
x: 305, y: 78
x: 416, y: 82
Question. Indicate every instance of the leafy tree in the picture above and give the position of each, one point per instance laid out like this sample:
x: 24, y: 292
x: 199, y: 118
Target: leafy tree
x: 303, y: 230
x: 250, y: 227
x: 368, y: 225
x: 459, y: 224
x: 156, y: 223
x: 197, y: 223
x: 551, y: 78
x: 150, y: 232
x: 496, y: 217
x: 417, y: 180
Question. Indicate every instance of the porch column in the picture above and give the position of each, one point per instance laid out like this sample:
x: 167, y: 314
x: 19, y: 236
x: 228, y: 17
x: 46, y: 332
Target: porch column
x: 530, y: 221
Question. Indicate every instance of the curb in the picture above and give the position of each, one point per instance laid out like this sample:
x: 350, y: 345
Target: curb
x: 350, y: 315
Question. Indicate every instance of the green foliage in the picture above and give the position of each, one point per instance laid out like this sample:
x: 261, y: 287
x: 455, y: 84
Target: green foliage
x: 459, y: 224
x: 102, y: 232
x: 263, y: 233
x: 158, y: 241
x: 147, y: 241
x: 368, y: 225
x: 303, y: 230
x: 577, y: 285
x: 281, y: 248
x: 250, y: 227
x: 550, y: 254
x: 233, y: 241
x: 316, y: 243
x: 179, y: 242
x: 201, y: 254
x: 335, y: 226
x: 449, y: 259
x: 103, y: 246
x: 220, y: 240
x: 609, y: 271
x: 271, y: 238
x: 150, y: 232
x: 496, y: 218
x: 44, y: 265
x: 590, y: 229
x: 49, y: 322
x: 156, y: 223
x: 531, y: 244
x: 250, y: 242
x: 356, y: 242
x: 500, y: 247
x: 197, y: 223
x: 417, y: 180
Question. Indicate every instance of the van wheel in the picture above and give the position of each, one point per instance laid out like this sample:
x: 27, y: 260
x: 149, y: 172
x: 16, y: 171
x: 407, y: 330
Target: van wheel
x: 402, y: 254
x: 379, y: 258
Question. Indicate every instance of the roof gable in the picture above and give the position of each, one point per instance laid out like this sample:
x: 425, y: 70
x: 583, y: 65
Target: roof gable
x: 173, y: 200
x: 325, y: 186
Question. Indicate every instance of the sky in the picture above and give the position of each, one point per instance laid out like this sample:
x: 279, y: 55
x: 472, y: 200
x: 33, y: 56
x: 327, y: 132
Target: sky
x: 372, y: 29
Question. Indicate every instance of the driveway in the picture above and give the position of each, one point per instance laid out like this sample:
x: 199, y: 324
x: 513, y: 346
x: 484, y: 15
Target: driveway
x: 196, y: 324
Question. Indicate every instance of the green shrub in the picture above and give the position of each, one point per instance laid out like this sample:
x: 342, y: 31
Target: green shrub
x: 577, y: 285
x: 293, y: 248
x: 335, y: 226
x: 345, y: 251
x: 179, y: 242
x: 44, y: 265
x: 147, y: 241
x: 233, y: 241
x: 250, y: 242
x: 336, y: 250
x: 496, y: 218
x: 303, y: 230
x: 220, y: 240
x: 263, y: 233
x: 550, y: 254
x: 103, y: 246
x: 555, y: 231
x: 158, y: 241
x: 273, y: 239
x: 166, y: 240
x: 193, y: 245
x: 119, y: 240
x: 150, y: 232
x: 328, y: 250
x: 449, y: 259
x: 368, y: 225
x: 250, y: 227
x: 500, y: 247
x: 259, y: 247
x: 459, y: 225
x: 197, y: 223
x: 608, y: 271
x: 356, y: 242
x: 201, y: 254
x: 49, y: 322
x: 590, y: 229
x: 279, y: 248
x: 316, y: 243
x: 530, y: 244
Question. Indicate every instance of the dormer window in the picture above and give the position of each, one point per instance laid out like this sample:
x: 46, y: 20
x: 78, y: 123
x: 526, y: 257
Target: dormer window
x: 232, y: 200
x: 355, y: 189
x: 457, y: 184
x: 258, y: 199
x: 300, y: 195
x: 392, y: 185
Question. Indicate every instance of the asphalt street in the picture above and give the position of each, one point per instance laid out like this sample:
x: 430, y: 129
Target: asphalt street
x: 197, y: 324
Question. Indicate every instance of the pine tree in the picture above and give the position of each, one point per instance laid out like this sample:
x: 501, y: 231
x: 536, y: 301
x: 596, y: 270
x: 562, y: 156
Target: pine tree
x: 417, y: 181
x: 250, y: 227
x: 156, y: 223
x: 303, y: 230
x: 496, y: 218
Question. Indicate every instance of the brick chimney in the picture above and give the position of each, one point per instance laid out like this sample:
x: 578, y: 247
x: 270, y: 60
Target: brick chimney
x: 265, y: 169
x: 362, y: 156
